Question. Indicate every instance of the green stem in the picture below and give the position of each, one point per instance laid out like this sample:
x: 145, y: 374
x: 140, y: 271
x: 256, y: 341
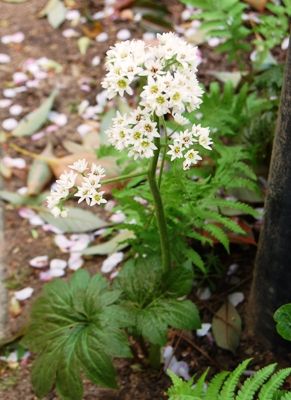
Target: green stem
x: 164, y: 152
x: 123, y: 177
x: 159, y: 209
x: 155, y: 356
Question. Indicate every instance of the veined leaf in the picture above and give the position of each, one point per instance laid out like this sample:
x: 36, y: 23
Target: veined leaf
x: 72, y: 338
x: 34, y: 120
x: 78, y: 220
x: 118, y: 242
x: 226, y: 327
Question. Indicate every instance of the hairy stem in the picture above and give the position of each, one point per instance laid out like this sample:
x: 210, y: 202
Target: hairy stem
x: 159, y: 209
x: 163, y: 122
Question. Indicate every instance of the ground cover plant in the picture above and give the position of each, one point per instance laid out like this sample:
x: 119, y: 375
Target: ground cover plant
x: 132, y: 273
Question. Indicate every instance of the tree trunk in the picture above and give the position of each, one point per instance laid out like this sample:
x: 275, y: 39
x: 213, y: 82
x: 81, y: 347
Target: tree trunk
x: 272, y: 276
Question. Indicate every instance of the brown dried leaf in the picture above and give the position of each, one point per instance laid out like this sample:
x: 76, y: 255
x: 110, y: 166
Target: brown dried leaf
x: 91, y: 31
x: 257, y: 4
x: 226, y: 327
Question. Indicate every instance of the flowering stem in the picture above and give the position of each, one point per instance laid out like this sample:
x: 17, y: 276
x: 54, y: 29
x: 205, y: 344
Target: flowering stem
x: 159, y: 209
x: 123, y: 177
x: 163, y: 122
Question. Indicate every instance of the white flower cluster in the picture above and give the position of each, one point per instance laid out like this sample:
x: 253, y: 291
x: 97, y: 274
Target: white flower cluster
x: 165, y: 77
x: 66, y: 186
x: 183, y: 141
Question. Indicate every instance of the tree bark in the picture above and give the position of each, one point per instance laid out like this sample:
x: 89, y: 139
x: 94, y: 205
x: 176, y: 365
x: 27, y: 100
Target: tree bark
x: 272, y: 276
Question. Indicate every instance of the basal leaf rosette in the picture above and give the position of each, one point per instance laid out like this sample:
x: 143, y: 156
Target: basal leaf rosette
x: 75, y: 329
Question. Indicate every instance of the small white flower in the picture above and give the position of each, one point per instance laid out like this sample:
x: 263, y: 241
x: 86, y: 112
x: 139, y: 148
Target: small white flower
x: 176, y: 151
x: 191, y: 158
x: 97, y: 198
x: 79, y: 166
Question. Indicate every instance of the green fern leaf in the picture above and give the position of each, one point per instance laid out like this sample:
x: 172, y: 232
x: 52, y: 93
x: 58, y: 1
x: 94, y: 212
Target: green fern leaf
x: 199, y: 387
x: 252, y: 384
x: 231, y: 204
x: 268, y: 390
x: 219, y: 234
x: 229, y: 386
x: 215, y: 385
x: 286, y: 396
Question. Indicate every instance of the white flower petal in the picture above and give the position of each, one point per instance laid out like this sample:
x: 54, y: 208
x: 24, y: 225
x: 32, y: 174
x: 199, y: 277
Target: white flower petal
x: 63, y: 243
x: 96, y: 61
x: 16, y: 109
x: 4, y: 58
x: 39, y: 262
x: 236, y: 298
x: 4, y: 103
x: 204, y: 293
x: 123, y: 34
x: 9, y: 124
x: 205, y: 327
x: 57, y: 263
x: 75, y: 261
x: 23, y: 294
x: 111, y: 262
x: 102, y: 37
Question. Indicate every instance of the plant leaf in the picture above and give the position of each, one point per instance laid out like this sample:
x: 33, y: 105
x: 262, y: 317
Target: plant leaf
x: 106, y: 122
x: 39, y: 173
x: 226, y: 327
x: 83, y: 44
x: 78, y: 221
x: 283, y: 318
x: 12, y: 197
x: 56, y: 14
x: 34, y: 120
x: 117, y: 243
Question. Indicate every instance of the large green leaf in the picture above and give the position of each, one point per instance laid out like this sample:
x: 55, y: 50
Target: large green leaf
x: 77, y: 221
x: 118, y: 242
x: 34, y: 120
x: 283, y: 318
x: 71, y: 338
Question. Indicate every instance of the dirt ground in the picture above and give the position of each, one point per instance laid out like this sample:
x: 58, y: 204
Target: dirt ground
x: 41, y: 40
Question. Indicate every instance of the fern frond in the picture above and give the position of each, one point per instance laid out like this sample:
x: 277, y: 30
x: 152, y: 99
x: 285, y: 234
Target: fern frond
x: 215, y: 216
x: 229, y: 386
x: 246, y: 170
x: 268, y: 390
x: 215, y: 385
x: 243, y: 183
x: 199, y: 387
x: 286, y: 396
x: 254, y: 383
x: 231, y: 204
x: 218, y: 234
